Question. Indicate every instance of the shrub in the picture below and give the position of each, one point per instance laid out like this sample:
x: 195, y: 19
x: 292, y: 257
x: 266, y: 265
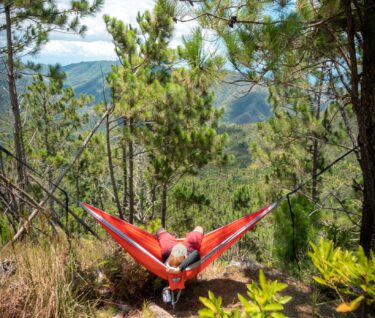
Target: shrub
x: 263, y: 302
x: 305, y: 228
x: 350, y: 274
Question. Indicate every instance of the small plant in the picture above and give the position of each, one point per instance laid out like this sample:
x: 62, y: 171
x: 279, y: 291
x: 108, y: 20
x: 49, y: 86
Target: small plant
x: 213, y: 307
x: 350, y: 274
x: 264, y: 302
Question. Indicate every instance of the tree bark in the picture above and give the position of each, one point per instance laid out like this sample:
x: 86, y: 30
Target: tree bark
x: 125, y: 172
x: 164, y: 204
x: 17, y: 127
x: 131, y: 173
x: 316, y: 146
x: 153, y: 201
x: 111, y: 170
x: 365, y: 112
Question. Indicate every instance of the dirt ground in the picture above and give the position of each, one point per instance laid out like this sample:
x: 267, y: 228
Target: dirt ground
x: 228, y: 281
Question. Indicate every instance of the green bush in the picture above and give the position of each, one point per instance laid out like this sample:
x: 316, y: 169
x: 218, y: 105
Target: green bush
x: 305, y: 228
x: 263, y: 302
x: 350, y: 274
x: 242, y: 198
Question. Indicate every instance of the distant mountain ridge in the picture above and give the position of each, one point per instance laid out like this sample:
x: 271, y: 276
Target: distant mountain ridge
x: 87, y: 78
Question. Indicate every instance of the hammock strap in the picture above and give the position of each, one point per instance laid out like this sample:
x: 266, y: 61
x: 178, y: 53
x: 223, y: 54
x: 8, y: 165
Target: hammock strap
x: 175, y: 301
x: 323, y: 170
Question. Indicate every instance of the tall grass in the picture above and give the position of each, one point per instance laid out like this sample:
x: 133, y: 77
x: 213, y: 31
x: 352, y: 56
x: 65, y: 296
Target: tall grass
x: 61, y: 279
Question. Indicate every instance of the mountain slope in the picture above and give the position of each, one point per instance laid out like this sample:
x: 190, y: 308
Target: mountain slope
x: 87, y: 78
x: 240, y: 106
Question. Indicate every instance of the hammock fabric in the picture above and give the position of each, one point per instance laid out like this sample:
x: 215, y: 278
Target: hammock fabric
x: 145, y: 249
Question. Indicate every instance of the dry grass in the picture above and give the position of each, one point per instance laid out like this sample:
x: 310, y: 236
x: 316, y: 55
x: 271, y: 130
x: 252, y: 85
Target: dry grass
x: 57, y: 279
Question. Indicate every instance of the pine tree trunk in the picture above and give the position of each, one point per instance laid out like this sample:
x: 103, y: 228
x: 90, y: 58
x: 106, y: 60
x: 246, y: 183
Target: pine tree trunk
x: 314, y: 191
x: 164, y: 204
x: 17, y: 127
x: 142, y: 190
x: 153, y: 201
x: 131, y: 174
x: 111, y: 170
x: 124, y: 175
x: 366, y: 122
x: 316, y: 146
x: 76, y: 179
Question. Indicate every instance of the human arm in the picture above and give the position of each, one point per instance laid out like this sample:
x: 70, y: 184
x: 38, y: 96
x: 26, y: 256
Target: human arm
x: 190, y: 259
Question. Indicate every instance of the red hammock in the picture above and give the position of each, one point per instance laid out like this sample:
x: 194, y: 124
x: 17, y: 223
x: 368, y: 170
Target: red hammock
x: 145, y: 249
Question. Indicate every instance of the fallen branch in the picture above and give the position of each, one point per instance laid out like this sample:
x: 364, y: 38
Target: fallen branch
x: 81, y: 221
x: 58, y: 180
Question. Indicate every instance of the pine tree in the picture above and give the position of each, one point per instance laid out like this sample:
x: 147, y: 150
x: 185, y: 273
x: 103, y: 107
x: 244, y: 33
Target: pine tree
x: 52, y: 120
x: 167, y: 110
x: 335, y: 37
x: 28, y: 25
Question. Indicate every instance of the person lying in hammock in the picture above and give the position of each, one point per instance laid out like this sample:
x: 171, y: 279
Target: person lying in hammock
x: 179, y: 256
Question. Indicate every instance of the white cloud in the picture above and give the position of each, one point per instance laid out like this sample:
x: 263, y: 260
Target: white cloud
x: 94, y: 49
x: 96, y: 45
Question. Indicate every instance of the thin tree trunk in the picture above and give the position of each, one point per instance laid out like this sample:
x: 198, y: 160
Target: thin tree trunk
x: 153, y: 200
x: 17, y: 127
x: 131, y: 174
x: 316, y: 146
x: 125, y: 173
x: 12, y: 205
x: 365, y: 112
x: 111, y: 170
x: 76, y: 178
x: 164, y: 204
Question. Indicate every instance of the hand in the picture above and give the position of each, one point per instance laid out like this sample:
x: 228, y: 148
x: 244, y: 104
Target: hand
x: 173, y: 270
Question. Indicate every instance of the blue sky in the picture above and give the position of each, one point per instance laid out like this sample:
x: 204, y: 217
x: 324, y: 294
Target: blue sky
x: 96, y: 45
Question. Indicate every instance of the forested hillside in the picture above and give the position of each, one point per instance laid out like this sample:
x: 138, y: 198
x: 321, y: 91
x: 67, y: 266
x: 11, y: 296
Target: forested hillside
x: 87, y: 78
x: 260, y: 140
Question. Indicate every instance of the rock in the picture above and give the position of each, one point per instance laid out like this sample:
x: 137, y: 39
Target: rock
x: 159, y: 312
x: 7, y: 268
x: 123, y: 307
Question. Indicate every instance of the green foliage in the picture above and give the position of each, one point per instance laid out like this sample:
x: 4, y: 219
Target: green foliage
x: 5, y: 230
x: 350, y: 274
x: 242, y: 198
x: 152, y: 226
x: 213, y: 307
x: 167, y: 111
x: 52, y: 120
x: 305, y: 229
x: 186, y: 196
x: 32, y: 21
x: 263, y: 302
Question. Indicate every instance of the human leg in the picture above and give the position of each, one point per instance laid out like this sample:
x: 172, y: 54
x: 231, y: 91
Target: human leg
x: 166, y: 241
x: 193, y: 239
